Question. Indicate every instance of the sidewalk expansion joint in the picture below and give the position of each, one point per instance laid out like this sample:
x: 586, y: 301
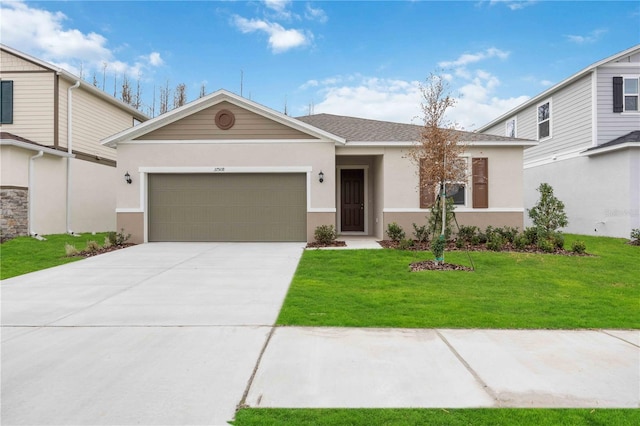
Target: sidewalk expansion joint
x: 619, y: 338
x: 243, y: 401
x: 475, y: 375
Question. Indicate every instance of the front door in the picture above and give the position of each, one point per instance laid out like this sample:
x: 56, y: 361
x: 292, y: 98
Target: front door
x: 352, y: 200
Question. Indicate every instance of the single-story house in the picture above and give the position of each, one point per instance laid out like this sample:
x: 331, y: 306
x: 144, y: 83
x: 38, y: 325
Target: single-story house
x: 224, y: 168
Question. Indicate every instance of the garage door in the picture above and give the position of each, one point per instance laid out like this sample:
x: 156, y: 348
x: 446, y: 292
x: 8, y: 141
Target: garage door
x: 228, y: 207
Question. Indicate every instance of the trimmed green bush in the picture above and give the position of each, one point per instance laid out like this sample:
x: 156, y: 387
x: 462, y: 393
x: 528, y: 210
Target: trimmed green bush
x: 579, y: 247
x: 635, y: 237
x: 395, y: 232
x: 496, y: 243
x: 421, y: 233
x: 325, y: 234
x: 405, y: 244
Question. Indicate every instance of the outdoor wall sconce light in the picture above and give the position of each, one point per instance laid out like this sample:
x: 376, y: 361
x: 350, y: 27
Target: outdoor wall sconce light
x: 321, y: 176
x: 127, y: 178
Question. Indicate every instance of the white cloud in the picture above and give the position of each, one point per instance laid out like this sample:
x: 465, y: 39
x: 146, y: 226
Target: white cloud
x: 279, y: 7
x: 513, y: 4
x: 44, y: 34
x: 280, y: 38
x: 470, y: 58
x: 592, y: 37
x: 315, y: 14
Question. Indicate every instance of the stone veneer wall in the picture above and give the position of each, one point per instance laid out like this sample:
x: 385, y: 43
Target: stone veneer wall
x: 14, y: 217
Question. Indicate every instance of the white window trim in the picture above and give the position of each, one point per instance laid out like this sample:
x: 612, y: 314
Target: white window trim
x: 515, y: 126
x: 624, y: 94
x: 550, y: 120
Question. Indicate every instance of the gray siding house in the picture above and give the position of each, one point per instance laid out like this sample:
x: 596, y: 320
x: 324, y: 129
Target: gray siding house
x: 588, y: 128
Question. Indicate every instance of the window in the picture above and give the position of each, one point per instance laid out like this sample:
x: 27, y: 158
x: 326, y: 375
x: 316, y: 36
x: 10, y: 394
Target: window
x: 544, y: 120
x: 456, y: 191
x: 511, y: 128
x: 630, y: 94
x: 6, y: 102
x: 626, y: 94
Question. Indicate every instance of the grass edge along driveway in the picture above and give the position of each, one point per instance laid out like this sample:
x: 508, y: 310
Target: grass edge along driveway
x: 374, y: 288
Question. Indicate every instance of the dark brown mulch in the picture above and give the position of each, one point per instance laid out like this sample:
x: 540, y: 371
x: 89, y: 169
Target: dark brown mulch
x: 336, y: 243
x: 430, y: 265
x: 102, y: 250
x: 451, y: 246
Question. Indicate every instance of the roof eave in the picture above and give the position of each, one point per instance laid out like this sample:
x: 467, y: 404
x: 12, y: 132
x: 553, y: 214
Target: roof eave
x: 605, y: 150
x: 35, y: 148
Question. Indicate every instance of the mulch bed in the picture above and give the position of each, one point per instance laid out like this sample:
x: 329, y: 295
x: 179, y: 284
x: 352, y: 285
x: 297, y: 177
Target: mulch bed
x: 451, y: 246
x: 336, y: 243
x: 430, y: 265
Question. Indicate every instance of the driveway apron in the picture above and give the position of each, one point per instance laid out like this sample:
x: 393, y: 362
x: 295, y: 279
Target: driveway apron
x: 160, y: 333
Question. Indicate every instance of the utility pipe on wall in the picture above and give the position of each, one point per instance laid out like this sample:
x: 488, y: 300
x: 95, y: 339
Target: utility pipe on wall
x: 32, y: 180
x: 70, y: 151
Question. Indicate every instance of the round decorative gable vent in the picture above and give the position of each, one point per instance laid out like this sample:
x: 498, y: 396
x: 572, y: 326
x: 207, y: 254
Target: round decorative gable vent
x: 225, y: 119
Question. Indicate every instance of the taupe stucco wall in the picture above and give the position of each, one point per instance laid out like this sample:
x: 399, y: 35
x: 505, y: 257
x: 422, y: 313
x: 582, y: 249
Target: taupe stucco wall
x: 317, y: 219
x: 131, y: 223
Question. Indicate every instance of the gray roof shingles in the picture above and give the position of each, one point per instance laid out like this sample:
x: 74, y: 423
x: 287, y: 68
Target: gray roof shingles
x: 364, y: 130
x: 629, y: 137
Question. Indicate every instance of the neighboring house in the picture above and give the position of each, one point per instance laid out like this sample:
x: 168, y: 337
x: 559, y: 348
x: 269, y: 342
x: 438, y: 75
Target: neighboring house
x: 588, y: 127
x: 224, y: 168
x: 55, y: 175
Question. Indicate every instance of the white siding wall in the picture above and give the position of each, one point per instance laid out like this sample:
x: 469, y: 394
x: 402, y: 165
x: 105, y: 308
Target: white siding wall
x: 612, y: 125
x: 570, y: 123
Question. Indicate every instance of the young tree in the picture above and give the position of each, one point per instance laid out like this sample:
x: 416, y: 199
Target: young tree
x: 548, y: 214
x: 203, y: 90
x: 136, y: 100
x: 437, y: 153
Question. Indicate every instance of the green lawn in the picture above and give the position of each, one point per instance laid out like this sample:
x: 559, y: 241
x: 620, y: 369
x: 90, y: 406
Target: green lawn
x: 457, y: 417
x: 374, y: 288
x: 25, y: 254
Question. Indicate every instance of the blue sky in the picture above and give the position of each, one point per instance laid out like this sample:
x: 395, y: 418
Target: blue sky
x: 359, y: 58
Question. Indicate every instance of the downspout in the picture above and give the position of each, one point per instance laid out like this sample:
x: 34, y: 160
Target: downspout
x: 33, y: 233
x: 70, y: 151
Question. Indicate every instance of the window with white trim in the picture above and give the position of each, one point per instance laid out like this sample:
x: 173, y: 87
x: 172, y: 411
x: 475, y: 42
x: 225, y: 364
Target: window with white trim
x: 544, y: 120
x: 510, y: 128
x: 630, y: 93
x: 6, y: 102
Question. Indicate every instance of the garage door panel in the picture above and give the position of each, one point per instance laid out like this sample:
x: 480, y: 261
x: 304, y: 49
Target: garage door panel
x: 227, y: 207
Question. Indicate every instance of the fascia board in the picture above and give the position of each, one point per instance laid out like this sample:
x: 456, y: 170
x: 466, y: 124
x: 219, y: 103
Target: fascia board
x: 605, y: 150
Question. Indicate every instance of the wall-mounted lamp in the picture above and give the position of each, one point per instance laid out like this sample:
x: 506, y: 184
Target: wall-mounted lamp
x: 127, y: 178
x: 321, y: 176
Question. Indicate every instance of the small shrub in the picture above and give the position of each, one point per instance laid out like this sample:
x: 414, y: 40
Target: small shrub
x: 121, y: 237
x: 546, y: 245
x: 405, y: 244
x: 635, y: 237
x: 520, y: 243
x: 325, y: 234
x: 112, y: 237
x: 92, y: 246
x: 395, y: 232
x: 475, y: 240
x: 496, y: 243
x: 70, y: 250
x: 459, y: 243
x: 579, y: 247
x: 466, y: 233
x: 421, y: 233
x: 508, y: 233
x: 557, y: 239
x: 548, y: 214
x: 437, y: 247
x: 107, y: 242
x: 488, y: 233
x: 531, y: 234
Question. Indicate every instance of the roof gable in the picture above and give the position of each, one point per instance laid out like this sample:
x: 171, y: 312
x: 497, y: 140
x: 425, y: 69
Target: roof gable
x: 197, y: 119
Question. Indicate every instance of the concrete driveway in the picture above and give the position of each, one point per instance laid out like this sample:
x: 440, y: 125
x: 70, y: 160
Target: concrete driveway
x: 162, y: 333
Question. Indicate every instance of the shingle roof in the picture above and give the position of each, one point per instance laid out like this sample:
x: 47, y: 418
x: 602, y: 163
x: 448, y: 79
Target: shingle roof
x: 365, y: 130
x: 629, y: 137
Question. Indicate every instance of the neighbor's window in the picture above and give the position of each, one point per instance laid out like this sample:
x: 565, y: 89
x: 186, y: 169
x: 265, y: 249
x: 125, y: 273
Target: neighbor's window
x: 6, y: 102
x: 511, y: 128
x: 631, y: 94
x: 544, y: 120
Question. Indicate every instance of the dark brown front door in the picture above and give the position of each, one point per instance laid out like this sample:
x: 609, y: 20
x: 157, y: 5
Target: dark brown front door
x: 352, y: 200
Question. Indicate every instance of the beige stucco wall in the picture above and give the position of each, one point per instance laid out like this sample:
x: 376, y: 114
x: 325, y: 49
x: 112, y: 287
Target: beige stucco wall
x: 317, y: 219
x: 131, y: 223
x: 93, y: 191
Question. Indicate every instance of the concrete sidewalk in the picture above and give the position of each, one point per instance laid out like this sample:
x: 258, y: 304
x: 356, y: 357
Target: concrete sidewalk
x: 346, y: 367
